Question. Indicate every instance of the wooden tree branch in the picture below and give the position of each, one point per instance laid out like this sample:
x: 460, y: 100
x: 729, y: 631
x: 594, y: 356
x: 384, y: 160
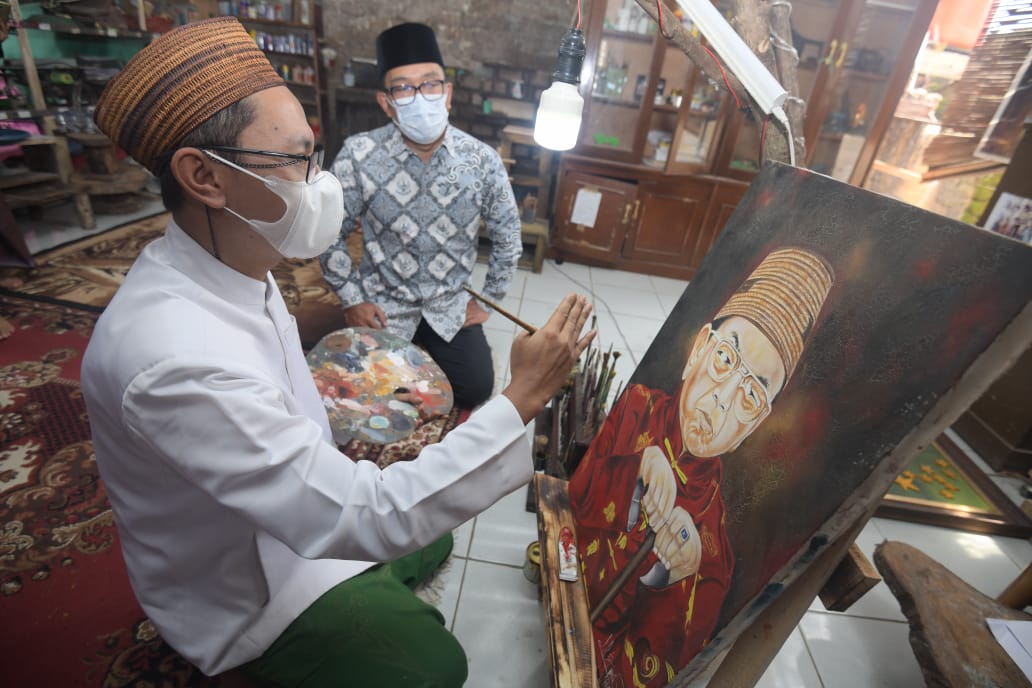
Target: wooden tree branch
x: 752, y: 22
x: 787, y: 60
x: 692, y: 47
x: 763, y: 25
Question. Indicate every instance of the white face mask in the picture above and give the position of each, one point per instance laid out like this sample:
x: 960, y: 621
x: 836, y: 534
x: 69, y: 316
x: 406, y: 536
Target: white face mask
x: 312, y: 221
x: 422, y: 120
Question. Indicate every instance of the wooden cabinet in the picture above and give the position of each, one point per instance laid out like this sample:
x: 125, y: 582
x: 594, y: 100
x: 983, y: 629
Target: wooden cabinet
x: 645, y: 102
x: 651, y: 133
x: 601, y: 241
x: 855, y: 59
x: 666, y: 220
x: 671, y: 153
x: 645, y: 222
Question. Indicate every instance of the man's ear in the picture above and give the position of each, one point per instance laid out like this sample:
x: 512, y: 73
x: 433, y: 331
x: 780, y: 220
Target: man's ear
x: 448, y: 95
x: 196, y: 175
x: 385, y: 105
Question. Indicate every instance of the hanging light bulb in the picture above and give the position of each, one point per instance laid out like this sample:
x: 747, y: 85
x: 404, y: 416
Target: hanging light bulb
x: 559, y: 114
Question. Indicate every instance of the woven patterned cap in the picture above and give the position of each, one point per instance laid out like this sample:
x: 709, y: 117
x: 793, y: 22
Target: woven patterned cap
x: 177, y: 82
x: 783, y: 297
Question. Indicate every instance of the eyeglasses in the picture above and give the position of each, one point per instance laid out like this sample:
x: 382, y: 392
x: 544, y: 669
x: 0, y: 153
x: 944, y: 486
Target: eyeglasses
x: 404, y: 94
x: 751, y: 398
x: 314, y: 161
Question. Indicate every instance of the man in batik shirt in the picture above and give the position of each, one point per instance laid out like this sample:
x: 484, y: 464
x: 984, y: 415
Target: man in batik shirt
x: 421, y: 189
x: 654, y: 470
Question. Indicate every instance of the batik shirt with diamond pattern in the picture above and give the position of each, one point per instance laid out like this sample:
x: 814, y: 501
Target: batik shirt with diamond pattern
x: 420, y: 226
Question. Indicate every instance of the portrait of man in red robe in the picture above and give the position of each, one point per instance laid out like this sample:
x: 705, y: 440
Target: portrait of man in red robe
x: 646, y: 497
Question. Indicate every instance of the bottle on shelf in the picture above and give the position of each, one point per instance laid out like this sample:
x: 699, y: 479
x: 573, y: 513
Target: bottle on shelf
x: 305, y: 15
x: 349, y: 75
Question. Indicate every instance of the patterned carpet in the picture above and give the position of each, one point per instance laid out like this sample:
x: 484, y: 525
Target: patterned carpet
x: 88, y: 272
x: 70, y: 618
x: 69, y: 615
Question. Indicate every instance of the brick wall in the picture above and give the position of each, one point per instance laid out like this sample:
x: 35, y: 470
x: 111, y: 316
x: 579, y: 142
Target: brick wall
x: 523, y: 33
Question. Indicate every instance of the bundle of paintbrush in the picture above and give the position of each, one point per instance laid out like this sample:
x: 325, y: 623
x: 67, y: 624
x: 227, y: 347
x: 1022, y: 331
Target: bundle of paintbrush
x: 586, y: 403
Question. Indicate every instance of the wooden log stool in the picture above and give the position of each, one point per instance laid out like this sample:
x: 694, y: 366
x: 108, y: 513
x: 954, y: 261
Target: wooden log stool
x: 48, y: 180
x: 948, y: 631
x: 112, y: 184
x: 536, y: 234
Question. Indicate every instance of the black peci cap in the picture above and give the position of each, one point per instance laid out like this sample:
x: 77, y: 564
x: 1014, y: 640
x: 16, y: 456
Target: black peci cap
x: 406, y: 44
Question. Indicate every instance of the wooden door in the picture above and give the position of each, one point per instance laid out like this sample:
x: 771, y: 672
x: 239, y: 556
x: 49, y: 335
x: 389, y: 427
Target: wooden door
x: 722, y: 204
x: 860, y: 85
x: 598, y: 237
x: 669, y: 215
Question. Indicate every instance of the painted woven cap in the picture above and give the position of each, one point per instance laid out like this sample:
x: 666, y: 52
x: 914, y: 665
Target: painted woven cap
x: 179, y: 81
x: 783, y: 297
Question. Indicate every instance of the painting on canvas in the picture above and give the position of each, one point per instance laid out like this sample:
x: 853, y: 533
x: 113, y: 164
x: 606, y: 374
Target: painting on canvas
x: 822, y: 327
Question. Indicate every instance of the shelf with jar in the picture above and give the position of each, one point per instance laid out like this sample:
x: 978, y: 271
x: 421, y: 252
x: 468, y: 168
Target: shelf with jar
x: 650, y: 139
x: 670, y: 151
x: 645, y: 102
x: 55, y: 67
x: 289, y: 32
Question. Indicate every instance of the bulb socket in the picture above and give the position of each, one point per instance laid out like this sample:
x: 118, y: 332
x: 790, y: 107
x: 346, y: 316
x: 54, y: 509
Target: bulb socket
x: 571, y: 58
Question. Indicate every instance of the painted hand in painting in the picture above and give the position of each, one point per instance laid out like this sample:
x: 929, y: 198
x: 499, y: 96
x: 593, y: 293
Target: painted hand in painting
x: 657, y: 477
x: 678, y: 546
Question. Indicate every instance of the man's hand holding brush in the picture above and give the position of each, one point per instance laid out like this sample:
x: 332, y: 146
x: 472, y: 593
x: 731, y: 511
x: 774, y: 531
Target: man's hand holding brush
x: 541, y: 362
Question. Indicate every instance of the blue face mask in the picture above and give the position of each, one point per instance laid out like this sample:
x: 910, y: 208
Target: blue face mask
x: 422, y: 121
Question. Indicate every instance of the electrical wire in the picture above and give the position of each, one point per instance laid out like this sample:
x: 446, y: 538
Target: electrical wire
x: 780, y: 115
x: 727, y: 82
x: 763, y: 136
x: 791, y: 142
x: 578, y: 13
x: 659, y: 11
x: 612, y: 315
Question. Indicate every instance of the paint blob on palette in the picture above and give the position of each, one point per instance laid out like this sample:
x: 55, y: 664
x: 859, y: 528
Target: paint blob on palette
x: 361, y: 373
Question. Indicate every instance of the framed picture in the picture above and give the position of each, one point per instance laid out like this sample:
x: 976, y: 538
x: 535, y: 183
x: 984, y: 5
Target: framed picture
x: 1012, y: 216
x: 941, y: 486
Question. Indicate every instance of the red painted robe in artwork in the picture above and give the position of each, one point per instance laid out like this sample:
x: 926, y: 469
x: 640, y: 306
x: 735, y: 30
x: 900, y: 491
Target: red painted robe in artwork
x: 646, y: 634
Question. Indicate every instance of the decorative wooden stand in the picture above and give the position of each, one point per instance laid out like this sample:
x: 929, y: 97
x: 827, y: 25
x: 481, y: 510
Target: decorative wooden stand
x: 566, y: 604
x: 111, y: 182
x: 948, y: 630
x: 49, y: 179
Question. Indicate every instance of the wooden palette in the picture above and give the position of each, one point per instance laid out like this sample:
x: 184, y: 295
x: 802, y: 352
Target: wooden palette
x: 359, y: 372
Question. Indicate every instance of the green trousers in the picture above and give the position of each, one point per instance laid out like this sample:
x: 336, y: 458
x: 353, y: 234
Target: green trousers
x: 369, y: 631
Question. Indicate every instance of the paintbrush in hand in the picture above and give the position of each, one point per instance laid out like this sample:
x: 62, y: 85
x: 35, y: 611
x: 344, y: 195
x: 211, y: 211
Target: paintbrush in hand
x: 529, y: 328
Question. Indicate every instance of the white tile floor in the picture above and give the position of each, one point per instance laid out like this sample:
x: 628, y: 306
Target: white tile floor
x: 495, y: 612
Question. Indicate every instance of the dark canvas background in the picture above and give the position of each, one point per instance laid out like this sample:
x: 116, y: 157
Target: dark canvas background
x: 916, y: 298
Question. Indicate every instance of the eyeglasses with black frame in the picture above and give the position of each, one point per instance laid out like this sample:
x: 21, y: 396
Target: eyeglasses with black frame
x: 404, y: 94
x: 314, y: 161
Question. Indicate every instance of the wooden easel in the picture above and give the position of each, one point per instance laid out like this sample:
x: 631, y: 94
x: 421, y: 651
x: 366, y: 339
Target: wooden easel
x: 566, y: 604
